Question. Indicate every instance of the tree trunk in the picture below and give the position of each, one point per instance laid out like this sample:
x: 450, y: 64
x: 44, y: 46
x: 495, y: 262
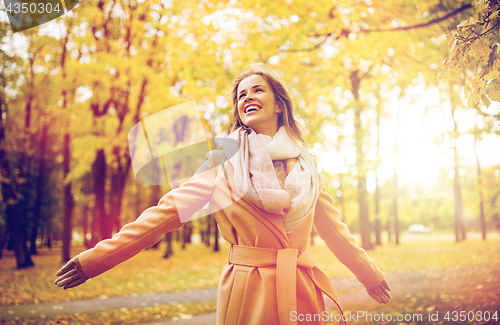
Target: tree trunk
x: 11, y: 202
x: 187, y: 230
x: 67, y: 196
x: 33, y: 237
x: 395, y: 206
x: 203, y: 232
x: 155, y: 197
x: 99, y: 172
x: 177, y: 235
x: 86, y: 241
x: 3, y: 232
x: 216, y: 235
x: 95, y: 234
x: 342, y: 206
x: 389, y: 233
x: 208, y: 230
x: 395, y: 183
x: 364, y: 222
x: 378, y: 227
x: 113, y: 196
x: 27, y: 122
x: 23, y: 205
x: 118, y: 182
x: 457, y: 195
x: 138, y: 204
x: 168, y: 250
x: 68, y: 202
x: 39, y: 189
x: 480, y: 193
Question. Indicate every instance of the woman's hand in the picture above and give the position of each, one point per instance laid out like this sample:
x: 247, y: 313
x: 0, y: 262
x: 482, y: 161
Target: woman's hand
x: 381, y: 292
x: 71, y: 274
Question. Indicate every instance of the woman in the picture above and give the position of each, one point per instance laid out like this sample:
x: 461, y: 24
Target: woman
x: 272, y: 196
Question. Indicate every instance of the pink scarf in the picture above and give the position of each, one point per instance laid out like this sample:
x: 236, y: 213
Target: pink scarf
x: 255, y: 176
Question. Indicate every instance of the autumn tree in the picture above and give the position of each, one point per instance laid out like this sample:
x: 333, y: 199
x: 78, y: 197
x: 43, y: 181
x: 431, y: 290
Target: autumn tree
x: 474, y: 55
x: 8, y: 179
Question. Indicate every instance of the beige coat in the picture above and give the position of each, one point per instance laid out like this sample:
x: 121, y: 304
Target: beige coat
x: 270, y: 277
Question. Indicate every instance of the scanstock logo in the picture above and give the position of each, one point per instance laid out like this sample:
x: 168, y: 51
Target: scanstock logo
x: 25, y: 14
x: 170, y: 146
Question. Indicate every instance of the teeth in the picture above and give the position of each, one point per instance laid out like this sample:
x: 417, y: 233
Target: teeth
x: 253, y: 107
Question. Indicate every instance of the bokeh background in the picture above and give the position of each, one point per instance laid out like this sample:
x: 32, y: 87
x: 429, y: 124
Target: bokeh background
x: 401, y: 100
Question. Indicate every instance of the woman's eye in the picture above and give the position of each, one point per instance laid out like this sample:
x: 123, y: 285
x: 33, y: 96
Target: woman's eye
x: 258, y: 90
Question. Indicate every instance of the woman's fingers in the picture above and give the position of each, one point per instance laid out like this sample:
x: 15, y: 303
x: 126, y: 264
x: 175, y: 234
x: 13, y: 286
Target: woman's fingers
x: 385, y: 284
x: 381, y: 292
x: 75, y: 283
x: 385, y: 293
x: 69, y: 281
x: 382, y: 299
x: 67, y: 278
x: 66, y: 275
x: 67, y: 267
x: 375, y: 296
x: 381, y: 295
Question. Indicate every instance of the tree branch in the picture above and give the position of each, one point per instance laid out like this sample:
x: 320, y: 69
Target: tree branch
x: 346, y: 32
x: 432, y: 22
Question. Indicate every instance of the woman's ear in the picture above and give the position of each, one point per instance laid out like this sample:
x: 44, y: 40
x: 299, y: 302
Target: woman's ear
x: 279, y: 108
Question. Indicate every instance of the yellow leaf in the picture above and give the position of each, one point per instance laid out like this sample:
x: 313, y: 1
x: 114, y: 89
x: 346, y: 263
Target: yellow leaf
x: 494, y: 15
x: 493, y: 90
x: 479, y: 50
x: 496, y: 65
x: 492, y: 75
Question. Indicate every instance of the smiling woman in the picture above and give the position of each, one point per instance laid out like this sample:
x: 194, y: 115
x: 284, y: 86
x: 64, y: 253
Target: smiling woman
x: 257, y: 106
x: 273, y: 197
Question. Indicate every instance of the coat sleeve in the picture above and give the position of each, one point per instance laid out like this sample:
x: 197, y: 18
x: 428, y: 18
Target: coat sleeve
x: 340, y: 241
x: 150, y: 226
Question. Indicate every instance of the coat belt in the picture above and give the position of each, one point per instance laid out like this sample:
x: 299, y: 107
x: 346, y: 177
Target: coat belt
x: 286, y: 262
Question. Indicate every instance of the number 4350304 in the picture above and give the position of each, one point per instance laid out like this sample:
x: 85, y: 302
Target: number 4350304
x: 16, y: 8
x: 470, y: 316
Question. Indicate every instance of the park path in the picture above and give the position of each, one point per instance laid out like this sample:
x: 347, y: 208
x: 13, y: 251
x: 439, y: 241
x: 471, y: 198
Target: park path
x: 405, y: 284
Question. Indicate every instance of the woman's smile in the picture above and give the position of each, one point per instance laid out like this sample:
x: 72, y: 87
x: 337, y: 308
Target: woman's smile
x: 251, y: 108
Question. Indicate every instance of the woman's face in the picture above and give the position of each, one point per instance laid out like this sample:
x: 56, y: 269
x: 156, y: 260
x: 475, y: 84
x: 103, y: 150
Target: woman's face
x: 257, y: 105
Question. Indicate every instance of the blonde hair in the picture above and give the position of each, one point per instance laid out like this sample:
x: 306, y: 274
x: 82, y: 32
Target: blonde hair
x: 295, y: 130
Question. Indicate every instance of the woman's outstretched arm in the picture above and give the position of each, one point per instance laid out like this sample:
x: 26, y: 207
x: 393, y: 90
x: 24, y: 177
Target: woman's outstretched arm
x: 144, y: 232
x: 340, y: 241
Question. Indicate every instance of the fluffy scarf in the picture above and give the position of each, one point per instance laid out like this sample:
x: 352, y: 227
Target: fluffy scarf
x: 255, y: 176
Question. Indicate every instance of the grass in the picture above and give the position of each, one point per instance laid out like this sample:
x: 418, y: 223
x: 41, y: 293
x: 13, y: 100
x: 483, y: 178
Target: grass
x: 195, y: 267
x: 198, y: 267
x: 123, y: 316
x: 418, y: 252
x: 435, y: 308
